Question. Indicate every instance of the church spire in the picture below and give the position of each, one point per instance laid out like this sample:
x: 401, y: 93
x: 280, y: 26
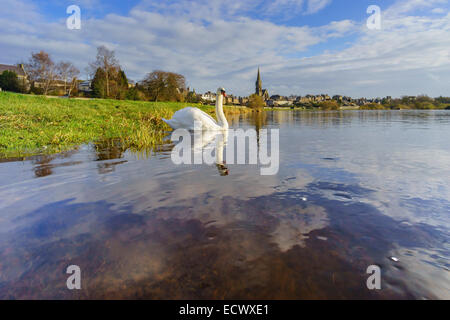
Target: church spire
x: 258, y: 90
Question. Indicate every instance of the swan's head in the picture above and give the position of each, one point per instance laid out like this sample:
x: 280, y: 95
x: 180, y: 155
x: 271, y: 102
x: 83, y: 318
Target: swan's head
x: 221, y: 91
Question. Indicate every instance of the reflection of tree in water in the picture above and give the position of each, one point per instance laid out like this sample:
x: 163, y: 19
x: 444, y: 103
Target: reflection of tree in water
x: 43, y: 166
x: 324, y: 119
x: 109, y: 167
x: 259, y: 120
x: 233, y: 118
x: 108, y: 149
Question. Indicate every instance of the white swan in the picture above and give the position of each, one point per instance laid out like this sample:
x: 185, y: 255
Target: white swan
x: 187, y: 117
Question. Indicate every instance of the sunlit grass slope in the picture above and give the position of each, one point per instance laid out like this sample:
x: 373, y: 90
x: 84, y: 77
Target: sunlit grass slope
x: 36, y: 124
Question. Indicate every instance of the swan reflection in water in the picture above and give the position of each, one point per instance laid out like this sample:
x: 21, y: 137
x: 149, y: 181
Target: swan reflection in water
x: 221, y: 141
x: 206, y: 146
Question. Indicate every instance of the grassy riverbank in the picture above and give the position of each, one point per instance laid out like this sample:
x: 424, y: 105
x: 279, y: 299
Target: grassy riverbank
x: 36, y: 124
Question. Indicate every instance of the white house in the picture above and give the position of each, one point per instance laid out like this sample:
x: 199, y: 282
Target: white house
x: 209, y: 96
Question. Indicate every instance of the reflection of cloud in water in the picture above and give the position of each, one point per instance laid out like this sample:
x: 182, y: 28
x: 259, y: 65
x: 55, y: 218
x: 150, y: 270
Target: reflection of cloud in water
x: 415, y: 264
x: 167, y: 253
x: 296, y: 223
x: 396, y: 168
x: 401, y: 175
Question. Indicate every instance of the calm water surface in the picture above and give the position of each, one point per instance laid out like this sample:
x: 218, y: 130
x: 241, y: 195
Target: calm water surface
x: 353, y: 189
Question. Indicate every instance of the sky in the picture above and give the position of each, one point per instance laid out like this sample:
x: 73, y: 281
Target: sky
x: 302, y: 46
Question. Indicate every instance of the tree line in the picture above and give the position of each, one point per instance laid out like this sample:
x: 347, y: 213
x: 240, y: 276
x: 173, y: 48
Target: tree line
x: 42, y: 73
x: 108, y: 80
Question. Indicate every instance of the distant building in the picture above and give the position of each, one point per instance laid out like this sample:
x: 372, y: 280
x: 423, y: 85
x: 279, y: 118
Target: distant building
x: 275, y: 97
x: 232, y: 100
x: 209, y: 96
x: 243, y: 101
x: 19, y: 70
x: 282, y: 103
x: 338, y: 98
x: 85, y: 86
x: 259, y: 90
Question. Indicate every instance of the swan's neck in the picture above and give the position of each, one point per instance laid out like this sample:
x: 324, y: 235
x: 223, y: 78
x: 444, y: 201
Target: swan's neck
x: 221, y: 120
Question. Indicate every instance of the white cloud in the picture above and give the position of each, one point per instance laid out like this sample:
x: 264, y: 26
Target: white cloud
x: 438, y: 10
x: 296, y: 6
x: 406, y: 6
x: 317, y: 5
x: 410, y: 55
x: 221, y: 9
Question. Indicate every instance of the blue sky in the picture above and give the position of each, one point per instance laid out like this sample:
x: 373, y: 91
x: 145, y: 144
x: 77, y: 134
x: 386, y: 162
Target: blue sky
x: 337, y: 10
x: 302, y: 46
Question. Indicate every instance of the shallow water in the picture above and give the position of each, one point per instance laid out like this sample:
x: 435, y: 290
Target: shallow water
x: 354, y: 189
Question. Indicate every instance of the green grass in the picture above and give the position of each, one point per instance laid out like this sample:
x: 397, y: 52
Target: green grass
x: 36, y: 124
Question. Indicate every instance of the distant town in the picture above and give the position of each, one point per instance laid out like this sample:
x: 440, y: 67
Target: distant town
x: 41, y: 75
x: 327, y: 102
x: 296, y: 100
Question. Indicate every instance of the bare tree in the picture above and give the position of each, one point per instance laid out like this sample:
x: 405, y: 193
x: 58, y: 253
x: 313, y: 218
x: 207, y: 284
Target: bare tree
x: 68, y: 73
x: 41, y: 68
x: 107, y: 61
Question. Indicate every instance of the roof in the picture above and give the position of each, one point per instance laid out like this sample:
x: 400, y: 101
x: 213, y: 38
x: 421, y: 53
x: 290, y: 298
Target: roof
x: 18, y: 70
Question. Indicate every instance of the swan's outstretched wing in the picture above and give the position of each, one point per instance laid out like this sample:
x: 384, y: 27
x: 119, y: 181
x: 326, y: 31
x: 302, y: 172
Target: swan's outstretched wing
x: 186, y: 118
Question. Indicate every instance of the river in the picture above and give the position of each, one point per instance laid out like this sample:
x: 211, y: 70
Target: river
x: 353, y: 189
